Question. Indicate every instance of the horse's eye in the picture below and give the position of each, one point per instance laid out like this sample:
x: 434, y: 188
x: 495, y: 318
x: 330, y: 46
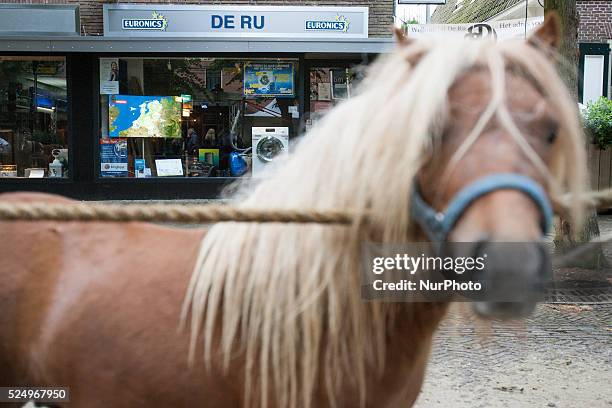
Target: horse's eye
x: 552, y: 136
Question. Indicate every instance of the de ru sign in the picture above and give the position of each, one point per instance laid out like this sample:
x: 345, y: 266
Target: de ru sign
x: 171, y: 20
x: 228, y: 21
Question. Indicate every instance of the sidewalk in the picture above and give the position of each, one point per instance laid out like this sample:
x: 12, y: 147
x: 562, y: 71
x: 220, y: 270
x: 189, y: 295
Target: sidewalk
x: 560, y: 357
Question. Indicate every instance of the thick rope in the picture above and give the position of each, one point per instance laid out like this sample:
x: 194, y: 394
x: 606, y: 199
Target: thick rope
x: 165, y: 213
x: 208, y: 213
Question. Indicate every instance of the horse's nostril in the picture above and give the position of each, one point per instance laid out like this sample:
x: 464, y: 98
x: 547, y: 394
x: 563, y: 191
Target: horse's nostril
x: 514, y: 278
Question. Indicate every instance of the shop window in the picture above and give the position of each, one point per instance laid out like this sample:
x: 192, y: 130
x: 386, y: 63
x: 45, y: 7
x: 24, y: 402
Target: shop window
x: 33, y: 117
x: 195, y: 117
x: 328, y: 86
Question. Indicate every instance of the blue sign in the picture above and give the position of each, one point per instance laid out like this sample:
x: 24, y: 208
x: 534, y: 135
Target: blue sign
x: 139, y: 165
x: 339, y: 24
x: 269, y: 79
x: 156, y: 22
x: 244, y: 22
x: 113, y: 157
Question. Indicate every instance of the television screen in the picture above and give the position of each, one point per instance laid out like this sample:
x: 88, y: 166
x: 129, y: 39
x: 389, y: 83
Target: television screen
x: 144, y: 116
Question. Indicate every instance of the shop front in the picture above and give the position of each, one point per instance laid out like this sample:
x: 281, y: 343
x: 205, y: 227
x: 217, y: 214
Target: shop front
x: 173, y: 101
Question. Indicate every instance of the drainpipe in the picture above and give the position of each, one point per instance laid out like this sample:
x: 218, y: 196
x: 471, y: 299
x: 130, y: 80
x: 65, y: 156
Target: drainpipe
x: 609, y: 95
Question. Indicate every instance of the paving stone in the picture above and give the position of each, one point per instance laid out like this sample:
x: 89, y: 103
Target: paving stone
x: 562, y: 355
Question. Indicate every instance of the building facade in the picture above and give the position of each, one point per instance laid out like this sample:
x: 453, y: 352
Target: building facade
x: 595, y: 36
x: 595, y: 21
x: 148, y: 100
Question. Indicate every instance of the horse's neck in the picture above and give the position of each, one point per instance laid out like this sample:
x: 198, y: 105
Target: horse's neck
x: 407, y: 351
x: 421, y: 317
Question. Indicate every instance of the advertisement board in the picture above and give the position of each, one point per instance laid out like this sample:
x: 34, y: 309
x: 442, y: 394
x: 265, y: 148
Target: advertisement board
x: 183, y: 20
x: 109, y: 76
x: 494, y: 30
x: 269, y: 79
x: 113, y: 157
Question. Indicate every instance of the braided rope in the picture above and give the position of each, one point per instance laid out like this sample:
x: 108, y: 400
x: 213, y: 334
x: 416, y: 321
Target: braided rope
x: 166, y: 213
x: 208, y: 213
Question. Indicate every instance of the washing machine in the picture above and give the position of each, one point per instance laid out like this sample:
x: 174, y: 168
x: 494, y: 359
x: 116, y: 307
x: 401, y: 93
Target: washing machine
x: 269, y: 143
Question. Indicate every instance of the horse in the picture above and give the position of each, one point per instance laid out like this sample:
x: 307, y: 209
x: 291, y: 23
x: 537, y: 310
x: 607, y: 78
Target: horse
x: 271, y: 315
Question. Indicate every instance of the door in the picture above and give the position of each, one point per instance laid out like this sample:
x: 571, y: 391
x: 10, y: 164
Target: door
x: 593, y: 78
x: 594, y: 72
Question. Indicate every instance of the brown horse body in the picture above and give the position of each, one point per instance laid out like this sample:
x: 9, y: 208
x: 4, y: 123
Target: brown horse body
x: 95, y: 307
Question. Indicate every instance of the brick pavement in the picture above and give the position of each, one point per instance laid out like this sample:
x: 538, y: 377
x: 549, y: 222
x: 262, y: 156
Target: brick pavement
x: 560, y: 357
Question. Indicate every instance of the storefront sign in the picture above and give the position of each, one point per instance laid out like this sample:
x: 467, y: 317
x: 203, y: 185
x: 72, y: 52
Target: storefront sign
x: 39, y: 19
x: 172, y: 20
x: 495, y: 30
x: 268, y: 79
x: 421, y: 2
x: 113, y: 158
x: 156, y: 22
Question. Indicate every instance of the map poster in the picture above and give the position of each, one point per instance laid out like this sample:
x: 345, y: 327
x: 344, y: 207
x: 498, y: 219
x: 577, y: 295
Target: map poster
x: 113, y: 158
x: 144, y: 116
x: 269, y: 79
x: 109, y: 76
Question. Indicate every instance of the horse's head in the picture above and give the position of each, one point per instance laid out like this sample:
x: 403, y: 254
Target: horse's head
x: 489, y: 179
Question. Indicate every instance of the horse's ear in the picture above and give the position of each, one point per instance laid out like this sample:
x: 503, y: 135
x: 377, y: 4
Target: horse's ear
x: 547, y: 37
x: 400, y: 37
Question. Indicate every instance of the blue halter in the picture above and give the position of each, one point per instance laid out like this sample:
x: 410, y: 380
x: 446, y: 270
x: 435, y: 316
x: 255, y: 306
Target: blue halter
x: 437, y: 225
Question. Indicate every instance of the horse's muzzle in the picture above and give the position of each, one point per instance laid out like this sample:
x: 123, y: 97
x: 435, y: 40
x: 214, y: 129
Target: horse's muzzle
x: 515, y: 277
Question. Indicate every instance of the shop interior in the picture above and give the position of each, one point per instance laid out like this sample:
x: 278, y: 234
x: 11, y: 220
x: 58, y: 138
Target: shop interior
x: 195, y: 117
x: 165, y: 117
x: 33, y: 117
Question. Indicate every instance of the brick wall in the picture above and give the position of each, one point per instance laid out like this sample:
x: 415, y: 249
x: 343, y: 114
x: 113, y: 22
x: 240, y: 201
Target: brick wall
x: 595, y: 20
x: 381, y: 11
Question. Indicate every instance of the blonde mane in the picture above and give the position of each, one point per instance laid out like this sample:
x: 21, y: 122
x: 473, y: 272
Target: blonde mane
x: 287, y: 298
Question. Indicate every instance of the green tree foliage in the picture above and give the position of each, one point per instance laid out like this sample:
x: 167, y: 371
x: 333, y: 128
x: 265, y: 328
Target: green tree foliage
x: 598, y: 121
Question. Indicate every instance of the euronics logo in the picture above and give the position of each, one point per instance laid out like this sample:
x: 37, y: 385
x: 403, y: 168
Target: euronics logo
x: 339, y: 24
x: 157, y: 22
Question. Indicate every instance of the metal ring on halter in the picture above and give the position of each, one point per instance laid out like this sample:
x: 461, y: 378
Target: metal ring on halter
x: 437, y: 225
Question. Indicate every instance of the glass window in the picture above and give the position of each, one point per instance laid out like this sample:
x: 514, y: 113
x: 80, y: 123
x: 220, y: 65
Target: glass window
x: 328, y: 86
x: 33, y: 117
x: 195, y: 117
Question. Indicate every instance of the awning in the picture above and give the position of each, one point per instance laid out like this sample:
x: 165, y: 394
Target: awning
x: 112, y: 45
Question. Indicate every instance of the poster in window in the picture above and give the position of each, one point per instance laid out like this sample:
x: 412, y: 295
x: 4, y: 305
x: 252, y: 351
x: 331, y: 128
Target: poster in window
x: 109, y: 76
x: 113, y: 158
x: 269, y: 79
x: 209, y: 156
x: 324, y: 91
x: 340, y: 84
x: 144, y: 116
